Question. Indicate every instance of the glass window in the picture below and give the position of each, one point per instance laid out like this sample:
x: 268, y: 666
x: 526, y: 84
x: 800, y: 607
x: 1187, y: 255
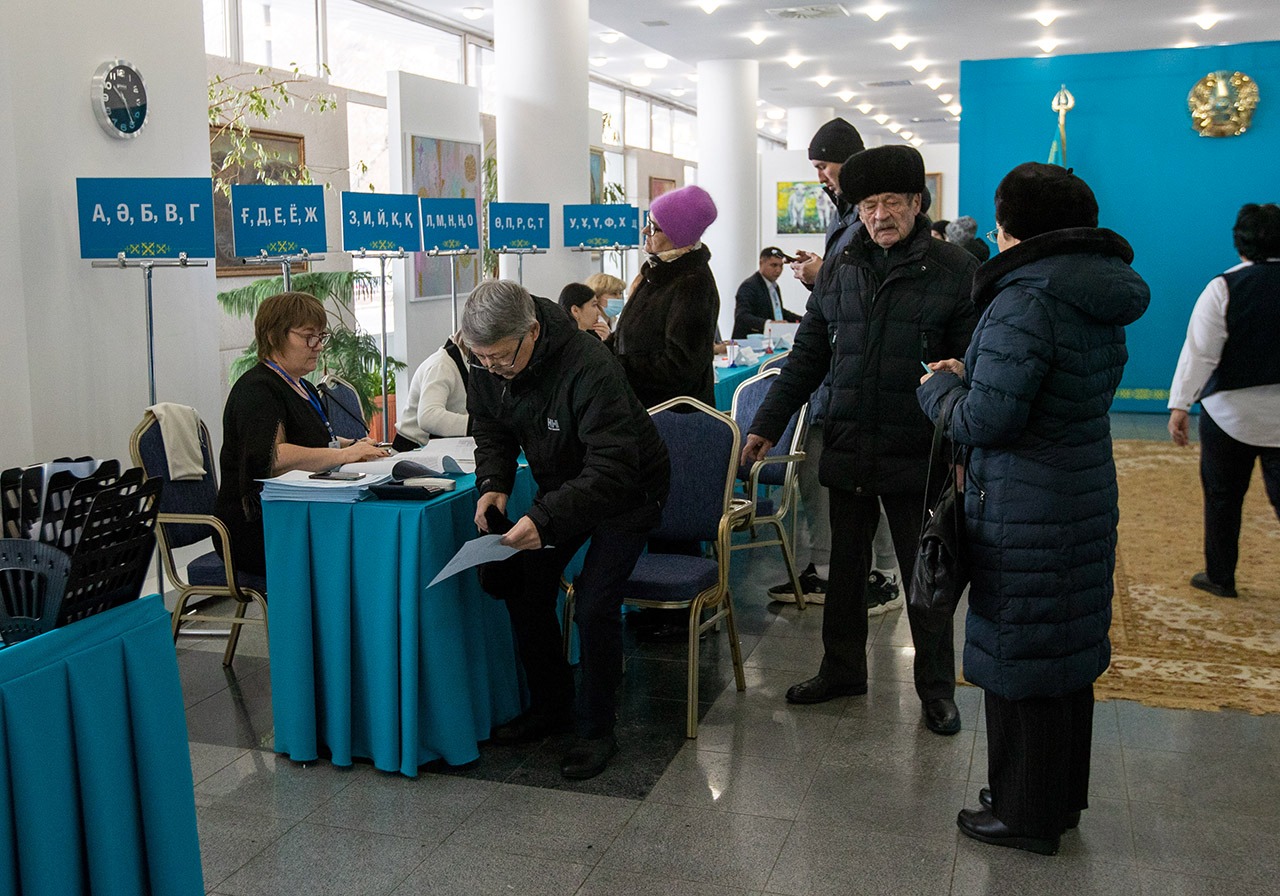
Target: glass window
x: 366, y: 43
x: 215, y: 27
x: 690, y: 174
x: 367, y: 147
x: 615, y: 171
x: 661, y: 128
x: 608, y: 102
x: 482, y: 73
x: 637, y: 122
x: 684, y: 135
x: 280, y: 33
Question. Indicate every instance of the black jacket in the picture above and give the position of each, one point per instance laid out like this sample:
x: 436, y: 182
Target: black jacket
x: 752, y: 307
x: 872, y: 318
x: 666, y: 334
x: 595, y: 454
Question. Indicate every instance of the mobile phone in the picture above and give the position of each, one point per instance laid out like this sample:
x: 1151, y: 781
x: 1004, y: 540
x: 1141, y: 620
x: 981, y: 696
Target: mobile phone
x: 927, y: 368
x: 337, y: 476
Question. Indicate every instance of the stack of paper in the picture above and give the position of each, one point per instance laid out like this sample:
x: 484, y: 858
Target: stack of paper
x: 297, y: 485
x: 439, y: 456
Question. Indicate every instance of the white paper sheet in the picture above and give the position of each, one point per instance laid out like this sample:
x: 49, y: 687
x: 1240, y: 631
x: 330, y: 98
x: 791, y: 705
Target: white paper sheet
x: 476, y: 551
x: 439, y: 455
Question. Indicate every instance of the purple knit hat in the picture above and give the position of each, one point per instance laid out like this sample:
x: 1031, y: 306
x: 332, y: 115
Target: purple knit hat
x: 684, y: 214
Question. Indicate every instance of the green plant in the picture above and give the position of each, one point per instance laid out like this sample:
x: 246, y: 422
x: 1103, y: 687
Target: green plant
x: 488, y: 193
x: 352, y: 353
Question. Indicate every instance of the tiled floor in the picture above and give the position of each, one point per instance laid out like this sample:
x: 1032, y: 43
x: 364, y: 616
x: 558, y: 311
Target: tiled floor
x: 853, y: 796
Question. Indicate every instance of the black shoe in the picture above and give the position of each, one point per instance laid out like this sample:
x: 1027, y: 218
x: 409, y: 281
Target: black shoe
x: 812, y: 584
x: 883, y: 594
x: 529, y: 727
x: 820, y: 690
x: 1070, y: 821
x: 941, y: 715
x: 588, y: 757
x: 1204, y: 583
x: 981, y: 825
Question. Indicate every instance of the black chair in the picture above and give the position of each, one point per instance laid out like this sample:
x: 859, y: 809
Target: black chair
x: 342, y: 406
x: 33, y: 579
x: 186, y: 518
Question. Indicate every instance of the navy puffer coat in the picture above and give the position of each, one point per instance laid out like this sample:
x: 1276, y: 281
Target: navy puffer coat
x: 1040, y: 486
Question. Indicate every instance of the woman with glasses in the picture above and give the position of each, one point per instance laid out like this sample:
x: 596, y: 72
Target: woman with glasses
x: 273, y: 421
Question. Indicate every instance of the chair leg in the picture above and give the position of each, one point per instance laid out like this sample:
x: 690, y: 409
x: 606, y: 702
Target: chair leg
x: 790, y: 560
x: 695, y: 621
x: 233, y: 637
x: 566, y: 623
x: 178, y: 609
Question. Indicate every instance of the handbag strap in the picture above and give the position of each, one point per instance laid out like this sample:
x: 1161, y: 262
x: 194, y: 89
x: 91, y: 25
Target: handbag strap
x: 934, y: 451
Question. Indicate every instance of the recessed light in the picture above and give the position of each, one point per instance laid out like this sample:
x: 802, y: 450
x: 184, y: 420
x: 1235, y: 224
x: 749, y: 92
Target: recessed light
x: 759, y: 124
x: 793, y: 60
x: 945, y: 98
x: 776, y: 114
x: 655, y: 62
x: 846, y: 95
x: 899, y: 41
x: 1048, y: 44
x: 954, y: 109
x: 823, y: 80
x: 760, y: 102
x: 1206, y: 20
x: 641, y: 80
x: 875, y: 11
x: 916, y: 141
x: 1185, y: 45
x: 677, y: 91
x: 933, y: 83
x: 757, y: 37
x: 906, y: 135
x: 610, y: 37
x: 473, y: 12
x: 864, y: 108
x: 919, y: 64
x: 709, y: 6
x: 775, y: 129
x: 598, y: 61
x: 894, y: 126
x: 881, y: 118
x: 1046, y: 17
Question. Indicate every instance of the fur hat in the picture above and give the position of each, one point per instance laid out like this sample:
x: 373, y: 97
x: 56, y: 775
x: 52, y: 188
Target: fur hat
x: 894, y: 168
x: 1035, y: 198
x: 835, y: 141
x: 684, y: 214
x: 961, y: 229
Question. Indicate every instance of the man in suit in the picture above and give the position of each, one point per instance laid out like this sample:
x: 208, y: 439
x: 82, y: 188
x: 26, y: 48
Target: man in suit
x: 759, y: 299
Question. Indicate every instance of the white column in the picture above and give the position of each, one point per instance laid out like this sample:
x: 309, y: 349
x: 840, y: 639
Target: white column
x: 803, y: 122
x: 540, y: 51
x: 727, y: 169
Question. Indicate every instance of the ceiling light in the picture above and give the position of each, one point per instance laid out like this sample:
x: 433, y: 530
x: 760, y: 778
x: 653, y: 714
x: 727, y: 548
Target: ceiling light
x: 757, y: 37
x: 1046, y: 17
x: 1206, y: 20
x: 776, y: 114
x: 916, y: 141
x: 655, y: 62
x: 894, y: 126
x: 954, y: 109
x: 598, y: 61
x: 677, y: 91
x: 905, y: 135
x: 775, y: 129
x: 899, y: 41
x: 610, y: 37
x: 823, y: 80
x: 919, y: 64
x: 641, y: 80
x: 473, y: 12
x: 864, y: 108
x: 709, y: 6
x: 846, y: 95
x: 934, y: 82
x: 881, y: 118
x: 759, y: 124
x: 1185, y: 45
x: 760, y: 102
x: 793, y: 60
x: 875, y: 11
x: 1047, y: 44
x: 945, y: 98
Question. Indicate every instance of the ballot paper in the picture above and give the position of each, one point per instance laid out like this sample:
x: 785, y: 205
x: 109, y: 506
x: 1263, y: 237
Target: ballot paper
x: 438, y: 455
x: 476, y: 551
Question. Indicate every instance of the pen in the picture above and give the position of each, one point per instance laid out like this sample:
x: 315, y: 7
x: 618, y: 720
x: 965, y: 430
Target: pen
x: 927, y: 368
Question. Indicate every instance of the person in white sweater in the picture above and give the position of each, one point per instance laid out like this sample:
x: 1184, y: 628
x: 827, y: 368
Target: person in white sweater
x: 436, y: 405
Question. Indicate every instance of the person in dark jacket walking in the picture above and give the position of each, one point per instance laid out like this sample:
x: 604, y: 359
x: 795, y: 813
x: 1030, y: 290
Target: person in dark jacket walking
x: 666, y: 335
x: 894, y: 297
x: 543, y: 386
x: 1040, y: 504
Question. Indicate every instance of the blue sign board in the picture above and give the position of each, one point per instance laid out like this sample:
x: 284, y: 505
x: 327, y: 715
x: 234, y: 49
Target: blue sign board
x: 145, y: 217
x: 450, y: 224
x: 601, y: 225
x: 380, y: 222
x: 519, y: 225
x: 278, y: 219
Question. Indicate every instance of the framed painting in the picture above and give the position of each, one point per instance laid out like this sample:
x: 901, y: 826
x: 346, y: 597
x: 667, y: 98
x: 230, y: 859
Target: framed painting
x: 444, y: 169
x: 802, y: 207
x: 283, y: 162
x: 597, y: 176
x: 660, y: 185
x: 933, y: 183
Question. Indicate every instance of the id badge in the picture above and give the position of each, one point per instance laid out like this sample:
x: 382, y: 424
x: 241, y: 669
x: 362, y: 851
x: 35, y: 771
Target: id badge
x: 333, y: 443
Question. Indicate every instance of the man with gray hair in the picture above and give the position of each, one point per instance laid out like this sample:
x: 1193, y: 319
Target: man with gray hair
x: 541, y: 385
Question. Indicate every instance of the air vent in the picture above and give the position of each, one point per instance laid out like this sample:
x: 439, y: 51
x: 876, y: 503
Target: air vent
x: 825, y: 11
x: 656, y: 23
x: 886, y: 83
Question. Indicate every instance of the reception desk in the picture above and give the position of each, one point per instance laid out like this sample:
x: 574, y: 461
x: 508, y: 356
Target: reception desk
x: 95, y: 773
x: 366, y: 660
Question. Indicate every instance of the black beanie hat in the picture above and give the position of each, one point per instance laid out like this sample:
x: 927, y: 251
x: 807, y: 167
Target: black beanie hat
x: 835, y: 141
x: 1035, y: 198
x: 882, y: 169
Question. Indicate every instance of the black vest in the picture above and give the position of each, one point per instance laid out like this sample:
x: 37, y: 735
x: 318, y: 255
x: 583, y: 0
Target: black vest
x: 1250, y: 356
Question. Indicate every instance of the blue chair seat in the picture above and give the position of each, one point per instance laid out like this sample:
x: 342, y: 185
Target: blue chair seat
x: 208, y: 569
x: 764, y: 506
x: 659, y: 576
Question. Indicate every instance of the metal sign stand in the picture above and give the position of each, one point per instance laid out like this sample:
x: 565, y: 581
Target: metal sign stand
x: 452, y: 255
x: 383, y: 258
x: 519, y: 254
x: 286, y: 263
x: 616, y: 247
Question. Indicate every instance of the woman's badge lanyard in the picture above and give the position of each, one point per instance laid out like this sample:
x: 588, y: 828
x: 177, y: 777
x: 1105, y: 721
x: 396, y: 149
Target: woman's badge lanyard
x: 311, y: 400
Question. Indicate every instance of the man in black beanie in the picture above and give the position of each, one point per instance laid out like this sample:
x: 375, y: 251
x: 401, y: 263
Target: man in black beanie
x: 830, y: 147
x: 892, y: 298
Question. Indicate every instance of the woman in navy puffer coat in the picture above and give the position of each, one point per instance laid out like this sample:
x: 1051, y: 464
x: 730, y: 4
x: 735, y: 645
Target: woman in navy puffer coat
x: 1031, y: 402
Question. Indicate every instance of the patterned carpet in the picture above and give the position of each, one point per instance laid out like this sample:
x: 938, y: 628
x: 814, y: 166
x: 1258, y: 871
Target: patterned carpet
x: 1172, y: 645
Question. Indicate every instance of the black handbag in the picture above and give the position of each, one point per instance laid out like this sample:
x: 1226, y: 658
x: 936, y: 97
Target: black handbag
x: 941, y: 570
x: 501, y: 579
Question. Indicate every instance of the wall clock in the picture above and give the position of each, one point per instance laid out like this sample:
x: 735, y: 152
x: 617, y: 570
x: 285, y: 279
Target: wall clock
x: 119, y: 98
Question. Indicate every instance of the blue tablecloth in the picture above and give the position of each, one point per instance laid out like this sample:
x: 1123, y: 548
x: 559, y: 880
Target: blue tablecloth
x: 728, y: 379
x: 95, y: 773
x: 368, y: 662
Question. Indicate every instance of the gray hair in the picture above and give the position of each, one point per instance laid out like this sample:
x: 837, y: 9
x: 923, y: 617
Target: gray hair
x: 497, y: 310
x: 961, y: 229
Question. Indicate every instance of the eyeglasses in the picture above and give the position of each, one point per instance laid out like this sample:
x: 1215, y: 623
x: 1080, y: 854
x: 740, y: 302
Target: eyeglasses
x: 484, y: 362
x: 315, y: 340
x: 992, y: 234
x: 652, y: 227
x: 891, y: 204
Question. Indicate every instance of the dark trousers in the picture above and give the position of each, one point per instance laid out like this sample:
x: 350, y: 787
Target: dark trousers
x: 1226, y: 466
x: 844, y: 617
x: 1038, y: 760
x: 598, y: 592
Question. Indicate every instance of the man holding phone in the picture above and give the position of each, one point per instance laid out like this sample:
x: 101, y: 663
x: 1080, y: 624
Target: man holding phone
x: 542, y: 386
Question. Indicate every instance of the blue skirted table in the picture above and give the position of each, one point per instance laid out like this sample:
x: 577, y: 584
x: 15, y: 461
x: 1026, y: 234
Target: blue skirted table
x: 95, y: 774
x: 728, y: 379
x: 366, y: 660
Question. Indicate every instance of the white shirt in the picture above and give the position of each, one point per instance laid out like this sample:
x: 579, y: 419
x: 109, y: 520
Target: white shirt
x: 1250, y: 415
x: 437, y: 401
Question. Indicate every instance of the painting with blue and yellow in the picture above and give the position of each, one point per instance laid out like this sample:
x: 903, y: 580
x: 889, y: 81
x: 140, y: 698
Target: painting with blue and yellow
x: 803, y: 207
